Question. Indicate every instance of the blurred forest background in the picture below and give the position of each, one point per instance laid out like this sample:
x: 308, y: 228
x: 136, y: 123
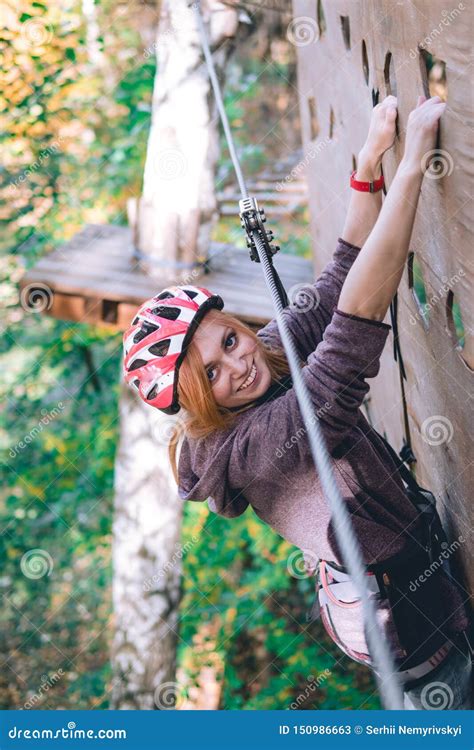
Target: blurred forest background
x: 77, y: 82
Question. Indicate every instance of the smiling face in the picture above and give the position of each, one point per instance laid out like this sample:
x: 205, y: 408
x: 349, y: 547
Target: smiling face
x: 232, y: 359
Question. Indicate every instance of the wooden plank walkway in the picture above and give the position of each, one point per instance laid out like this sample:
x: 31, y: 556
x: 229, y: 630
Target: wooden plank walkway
x: 94, y: 278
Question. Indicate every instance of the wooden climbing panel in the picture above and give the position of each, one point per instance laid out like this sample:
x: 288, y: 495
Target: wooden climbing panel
x: 349, y: 52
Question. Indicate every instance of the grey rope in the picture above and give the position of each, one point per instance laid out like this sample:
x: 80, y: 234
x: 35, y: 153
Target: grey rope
x: 219, y: 101
x: 386, y: 674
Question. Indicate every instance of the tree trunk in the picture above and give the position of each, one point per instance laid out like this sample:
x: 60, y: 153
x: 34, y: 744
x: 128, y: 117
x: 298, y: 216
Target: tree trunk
x: 173, y: 223
x: 146, y: 559
x: 178, y: 206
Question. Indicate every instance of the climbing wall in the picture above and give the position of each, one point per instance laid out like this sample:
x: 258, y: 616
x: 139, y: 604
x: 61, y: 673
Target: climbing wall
x: 349, y: 52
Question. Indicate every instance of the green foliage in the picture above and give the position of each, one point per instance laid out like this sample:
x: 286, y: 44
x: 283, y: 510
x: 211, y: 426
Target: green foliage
x: 245, y: 616
x: 74, y: 142
x: 74, y: 138
x: 57, y: 447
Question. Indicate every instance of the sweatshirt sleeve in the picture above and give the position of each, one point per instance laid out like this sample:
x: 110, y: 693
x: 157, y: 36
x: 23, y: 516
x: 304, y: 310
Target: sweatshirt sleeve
x: 335, y: 376
x: 312, y: 310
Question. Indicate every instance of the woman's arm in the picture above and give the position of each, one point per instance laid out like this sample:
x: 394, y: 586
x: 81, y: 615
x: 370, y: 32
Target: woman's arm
x: 375, y: 275
x: 314, y: 304
x: 364, y: 208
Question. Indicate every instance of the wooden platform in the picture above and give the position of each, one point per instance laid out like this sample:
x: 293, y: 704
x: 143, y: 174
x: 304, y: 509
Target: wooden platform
x: 94, y: 278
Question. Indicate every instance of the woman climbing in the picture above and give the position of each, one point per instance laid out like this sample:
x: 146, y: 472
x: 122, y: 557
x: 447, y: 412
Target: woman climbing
x: 245, y: 442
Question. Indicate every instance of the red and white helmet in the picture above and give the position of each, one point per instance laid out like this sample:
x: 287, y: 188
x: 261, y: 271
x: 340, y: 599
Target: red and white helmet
x: 156, y: 342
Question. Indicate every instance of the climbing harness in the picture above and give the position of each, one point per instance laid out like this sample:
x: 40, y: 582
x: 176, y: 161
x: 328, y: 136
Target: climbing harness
x: 336, y: 593
x: 385, y: 670
x: 391, y: 585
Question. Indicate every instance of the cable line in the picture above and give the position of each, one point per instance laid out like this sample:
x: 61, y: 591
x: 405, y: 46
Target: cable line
x: 252, y: 219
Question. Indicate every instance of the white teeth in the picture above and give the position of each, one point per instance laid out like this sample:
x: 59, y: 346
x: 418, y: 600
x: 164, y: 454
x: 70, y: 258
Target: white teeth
x: 250, y: 379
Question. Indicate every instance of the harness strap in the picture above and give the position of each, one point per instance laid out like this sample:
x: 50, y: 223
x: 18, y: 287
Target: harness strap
x: 405, y: 472
x: 340, y: 588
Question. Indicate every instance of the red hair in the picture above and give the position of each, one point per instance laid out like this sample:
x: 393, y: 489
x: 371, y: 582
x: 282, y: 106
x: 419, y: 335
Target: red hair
x: 202, y: 415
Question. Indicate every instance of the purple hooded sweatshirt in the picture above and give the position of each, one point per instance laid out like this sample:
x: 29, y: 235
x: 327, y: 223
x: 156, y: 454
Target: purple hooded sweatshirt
x: 264, y: 459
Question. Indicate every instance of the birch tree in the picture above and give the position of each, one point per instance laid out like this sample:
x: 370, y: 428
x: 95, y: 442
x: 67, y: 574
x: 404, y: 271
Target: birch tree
x: 174, y: 223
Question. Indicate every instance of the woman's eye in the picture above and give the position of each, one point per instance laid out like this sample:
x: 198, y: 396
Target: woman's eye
x: 232, y: 335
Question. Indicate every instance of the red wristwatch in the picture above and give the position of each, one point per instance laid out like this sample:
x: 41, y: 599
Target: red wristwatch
x: 367, y: 187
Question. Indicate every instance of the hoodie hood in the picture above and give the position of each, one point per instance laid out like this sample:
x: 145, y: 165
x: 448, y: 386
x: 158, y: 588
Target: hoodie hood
x: 205, y: 465
x: 203, y: 470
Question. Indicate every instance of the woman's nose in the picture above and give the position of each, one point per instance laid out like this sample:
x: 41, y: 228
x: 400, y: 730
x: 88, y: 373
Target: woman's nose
x: 238, y: 368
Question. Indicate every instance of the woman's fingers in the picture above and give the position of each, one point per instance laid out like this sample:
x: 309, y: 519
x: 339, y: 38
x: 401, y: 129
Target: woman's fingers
x: 432, y: 100
x: 390, y: 102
